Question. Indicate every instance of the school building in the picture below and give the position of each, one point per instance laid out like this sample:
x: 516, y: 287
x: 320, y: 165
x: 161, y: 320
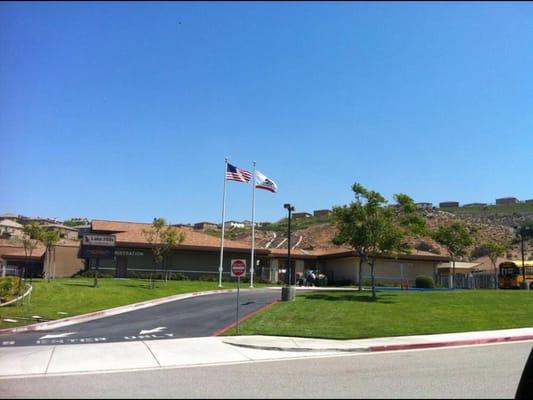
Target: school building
x: 199, y: 255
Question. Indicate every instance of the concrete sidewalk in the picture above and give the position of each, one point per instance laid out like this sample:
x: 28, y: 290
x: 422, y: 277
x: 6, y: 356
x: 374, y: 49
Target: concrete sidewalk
x: 109, y: 357
x: 295, y: 344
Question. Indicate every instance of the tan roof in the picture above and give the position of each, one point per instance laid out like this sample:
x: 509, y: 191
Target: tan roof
x: 296, y: 253
x: 128, y: 233
x: 12, y: 249
x: 346, y: 251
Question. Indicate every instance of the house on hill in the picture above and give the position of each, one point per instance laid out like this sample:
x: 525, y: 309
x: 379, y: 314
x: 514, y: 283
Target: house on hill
x: 448, y: 204
x: 424, y: 206
x: 302, y: 214
x: 321, y: 213
x: 205, y: 225
x: 10, y: 229
x: 507, y: 200
x: 65, y: 232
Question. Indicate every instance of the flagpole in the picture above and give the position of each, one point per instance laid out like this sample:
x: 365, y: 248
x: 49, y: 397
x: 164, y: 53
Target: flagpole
x: 223, y: 218
x: 253, y: 232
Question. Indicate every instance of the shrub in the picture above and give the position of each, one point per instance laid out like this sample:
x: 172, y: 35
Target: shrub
x: 208, y: 278
x: 423, y: 281
x: 178, y: 276
x: 8, y: 288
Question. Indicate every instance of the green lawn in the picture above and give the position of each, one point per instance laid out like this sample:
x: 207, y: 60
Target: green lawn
x: 77, y: 296
x: 352, y: 315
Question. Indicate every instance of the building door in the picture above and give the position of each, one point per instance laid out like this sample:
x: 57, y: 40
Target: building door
x: 122, y: 267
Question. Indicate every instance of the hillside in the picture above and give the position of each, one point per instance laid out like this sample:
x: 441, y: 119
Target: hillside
x: 491, y: 222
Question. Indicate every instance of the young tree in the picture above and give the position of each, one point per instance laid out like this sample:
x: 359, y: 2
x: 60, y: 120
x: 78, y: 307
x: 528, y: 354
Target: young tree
x: 372, y: 229
x: 349, y: 221
x: 30, y: 241
x: 456, y: 237
x: 50, y: 239
x: 494, y: 249
x: 162, y: 238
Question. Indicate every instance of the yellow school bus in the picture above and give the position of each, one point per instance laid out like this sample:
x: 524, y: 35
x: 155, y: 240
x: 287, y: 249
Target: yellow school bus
x: 511, y: 276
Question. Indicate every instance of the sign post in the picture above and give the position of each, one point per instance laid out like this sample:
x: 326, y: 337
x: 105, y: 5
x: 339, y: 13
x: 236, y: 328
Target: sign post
x: 238, y: 269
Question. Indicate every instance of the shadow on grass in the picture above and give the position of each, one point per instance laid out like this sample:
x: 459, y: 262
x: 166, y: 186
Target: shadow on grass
x: 87, y: 284
x: 364, y: 298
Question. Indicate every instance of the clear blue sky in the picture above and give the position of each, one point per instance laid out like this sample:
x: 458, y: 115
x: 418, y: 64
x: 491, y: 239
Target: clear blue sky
x: 126, y: 110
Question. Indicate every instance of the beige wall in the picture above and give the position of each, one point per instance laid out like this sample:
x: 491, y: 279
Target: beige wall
x: 67, y: 262
x: 386, y: 271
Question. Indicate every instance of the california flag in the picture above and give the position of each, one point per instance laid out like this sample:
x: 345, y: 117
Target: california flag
x: 263, y: 182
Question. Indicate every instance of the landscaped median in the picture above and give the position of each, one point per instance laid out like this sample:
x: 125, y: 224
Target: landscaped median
x: 62, y: 298
x: 354, y: 315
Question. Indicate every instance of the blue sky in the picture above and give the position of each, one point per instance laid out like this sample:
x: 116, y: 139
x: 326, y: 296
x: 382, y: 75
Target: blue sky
x: 126, y: 111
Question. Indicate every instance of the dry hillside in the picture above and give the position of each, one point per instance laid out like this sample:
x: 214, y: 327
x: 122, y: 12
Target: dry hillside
x: 319, y: 236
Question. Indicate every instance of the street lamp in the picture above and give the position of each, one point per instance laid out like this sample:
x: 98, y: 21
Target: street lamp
x: 290, y: 209
x: 288, y: 292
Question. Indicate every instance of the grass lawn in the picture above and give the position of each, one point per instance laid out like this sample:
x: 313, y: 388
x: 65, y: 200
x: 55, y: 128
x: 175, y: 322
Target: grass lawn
x: 352, y: 315
x: 77, y: 296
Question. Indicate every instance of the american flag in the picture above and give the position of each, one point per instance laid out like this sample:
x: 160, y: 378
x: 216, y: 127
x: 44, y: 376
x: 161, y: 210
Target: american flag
x: 236, y: 174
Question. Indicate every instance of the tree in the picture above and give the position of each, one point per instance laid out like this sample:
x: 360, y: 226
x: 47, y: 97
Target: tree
x: 524, y: 233
x: 50, y: 239
x: 456, y: 237
x: 161, y: 238
x: 30, y: 241
x: 349, y: 221
x: 494, y: 249
x: 371, y: 228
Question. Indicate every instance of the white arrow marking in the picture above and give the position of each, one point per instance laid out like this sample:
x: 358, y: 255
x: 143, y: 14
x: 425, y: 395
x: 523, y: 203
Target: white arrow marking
x: 57, y: 336
x: 159, y: 329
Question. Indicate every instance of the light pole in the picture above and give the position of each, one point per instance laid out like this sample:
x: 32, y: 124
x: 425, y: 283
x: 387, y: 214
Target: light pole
x: 288, y: 292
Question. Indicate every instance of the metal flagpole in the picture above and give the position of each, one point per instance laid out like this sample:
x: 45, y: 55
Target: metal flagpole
x: 223, y: 217
x: 253, y: 232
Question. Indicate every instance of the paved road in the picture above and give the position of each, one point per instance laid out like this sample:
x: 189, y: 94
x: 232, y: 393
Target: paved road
x: 194, y: 317
x: 491, y: 371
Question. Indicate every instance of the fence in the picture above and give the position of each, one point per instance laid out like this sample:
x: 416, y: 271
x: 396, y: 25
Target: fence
x: 478, y: 280
x: 10, y: 270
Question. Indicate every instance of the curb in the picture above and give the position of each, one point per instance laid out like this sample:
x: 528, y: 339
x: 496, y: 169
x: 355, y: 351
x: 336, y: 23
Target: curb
x: 229, y: 326
x: 391, y: 347
x: 302, y: 349
x: 464, y: 342
x: 41, y: 326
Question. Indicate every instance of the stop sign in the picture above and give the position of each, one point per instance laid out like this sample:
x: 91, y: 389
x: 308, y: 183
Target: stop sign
x: 238, y: 268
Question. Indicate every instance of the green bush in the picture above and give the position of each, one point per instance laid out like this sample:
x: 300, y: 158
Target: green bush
x: 208, y: 278
x: 9, y: 286
x: 423, y: 281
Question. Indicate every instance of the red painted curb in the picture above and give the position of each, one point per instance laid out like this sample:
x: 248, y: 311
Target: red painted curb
x: 448, y: 344
x: 229, y: 326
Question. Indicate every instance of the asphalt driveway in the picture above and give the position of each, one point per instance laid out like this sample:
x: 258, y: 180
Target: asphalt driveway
x: 193, y: 317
